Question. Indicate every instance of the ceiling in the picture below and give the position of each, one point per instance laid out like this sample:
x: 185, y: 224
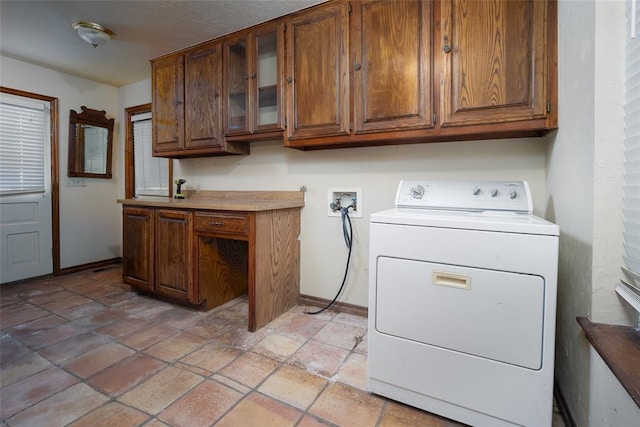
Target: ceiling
x: 40, y: 32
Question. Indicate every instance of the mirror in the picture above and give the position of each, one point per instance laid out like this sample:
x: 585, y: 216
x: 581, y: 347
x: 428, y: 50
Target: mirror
x: 90, y: 142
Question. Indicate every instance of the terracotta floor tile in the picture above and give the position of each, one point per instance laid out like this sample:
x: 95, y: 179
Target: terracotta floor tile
x: 14, y: 370
x: 353, y: 371
x: 293, y: 386
x: 130, y: 302
x: 279, y: 346
x: 155, y: 423
x: 11, y: 348
x: 19, y: 313
x: 303, y: 309
x: 99, y: 292
x: 311, y: 421
x: 259, y: 410
x: 113, y: 414
x: 250, y: 369
x: 340, y: 335
x: 351, y: 319
x: 45, y: 331
x: 202, y: 406
x: 73, y: 347
x: 241, y: 388
x: 363, y: 347
x: 48, y: 298
x: 18, y: 396
x: 123, y: 326
x: 100, y: 318
x: 212, y: 357
x: 82, y: 310
x: 60, y: 409
x: 319, y: 358
x: 396, y: 414
x: 303, y: 325
x: 238, y: 337
x: 125, y: 374
x: 146, y: 337
x: 195, y: 369
x: 66, y: 302
x: 347, y: 406
x: 98, y: 359
x: 160, y: 390
x: 176, y: 346
x: 211, y: 327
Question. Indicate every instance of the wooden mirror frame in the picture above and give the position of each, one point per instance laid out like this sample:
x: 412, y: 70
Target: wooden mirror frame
x: 96, y: 118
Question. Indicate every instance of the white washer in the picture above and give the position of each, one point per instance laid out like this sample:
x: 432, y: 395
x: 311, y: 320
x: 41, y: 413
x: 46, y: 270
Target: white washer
x: 462, y: 302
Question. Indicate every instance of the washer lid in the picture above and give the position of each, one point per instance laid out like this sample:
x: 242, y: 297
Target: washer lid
x: 503, y: 221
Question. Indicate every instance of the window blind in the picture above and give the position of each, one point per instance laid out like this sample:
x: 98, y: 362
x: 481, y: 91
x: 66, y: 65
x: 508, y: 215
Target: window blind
x: 151, y: 174
x: 23, y: 135
x: 630, y: 289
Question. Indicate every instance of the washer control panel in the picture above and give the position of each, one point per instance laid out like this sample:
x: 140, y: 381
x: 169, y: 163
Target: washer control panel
x: 511, y: 196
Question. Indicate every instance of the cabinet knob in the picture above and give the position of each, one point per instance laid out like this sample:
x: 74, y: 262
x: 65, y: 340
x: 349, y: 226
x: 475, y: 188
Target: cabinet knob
x: 289, y: 79
x: 245, y: 76
x: 358, y: 66
x: 446, y: 48
x: 253, y: 75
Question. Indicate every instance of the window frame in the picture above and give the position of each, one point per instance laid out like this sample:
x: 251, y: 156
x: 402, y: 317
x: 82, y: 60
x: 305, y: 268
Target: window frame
x: 129, y: 162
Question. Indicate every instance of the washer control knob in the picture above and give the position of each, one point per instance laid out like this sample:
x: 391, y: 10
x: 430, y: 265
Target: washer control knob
x: 417, y: 192
x: 513, y: 195
x: 477, y: 191
x: 494, y: 192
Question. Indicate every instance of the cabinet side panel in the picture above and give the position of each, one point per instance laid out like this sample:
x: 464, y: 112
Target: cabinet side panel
x: 277, y: 263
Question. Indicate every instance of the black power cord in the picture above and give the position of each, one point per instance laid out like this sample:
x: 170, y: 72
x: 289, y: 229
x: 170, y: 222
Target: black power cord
x: 348, y: 239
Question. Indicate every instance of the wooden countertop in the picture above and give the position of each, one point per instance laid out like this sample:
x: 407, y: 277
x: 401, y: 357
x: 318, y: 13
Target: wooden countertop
x: 247, y: 201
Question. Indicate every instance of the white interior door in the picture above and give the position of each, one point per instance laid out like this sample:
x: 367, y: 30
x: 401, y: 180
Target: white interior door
x: 26, y: 241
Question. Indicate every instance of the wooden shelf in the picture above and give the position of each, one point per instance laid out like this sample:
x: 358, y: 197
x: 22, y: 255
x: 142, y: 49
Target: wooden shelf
x: 619, y: 347
x: 268, y: 96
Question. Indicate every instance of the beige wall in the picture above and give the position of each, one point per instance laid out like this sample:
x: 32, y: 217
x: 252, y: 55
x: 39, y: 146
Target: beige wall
x: 89, y: 219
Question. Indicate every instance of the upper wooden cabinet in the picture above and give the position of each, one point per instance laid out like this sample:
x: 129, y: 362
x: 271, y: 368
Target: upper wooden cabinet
x: 495, y: 61
x: 317, y: 73
x: 186, y: 106
x: 365, y: 72
x: 252, y: 79
x: 420, y: 71
x: 392, y: 71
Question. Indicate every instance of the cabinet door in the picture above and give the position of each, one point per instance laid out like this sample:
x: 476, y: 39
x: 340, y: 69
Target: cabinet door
x: 494, y: 58
x: 236, y: 85
x: 392, y: 69
x: 203, y: 73
x: 137, y: 247
x: 174, y: 255
x: 168, y: 103
x: 267, y: 77
x: 317, y: 73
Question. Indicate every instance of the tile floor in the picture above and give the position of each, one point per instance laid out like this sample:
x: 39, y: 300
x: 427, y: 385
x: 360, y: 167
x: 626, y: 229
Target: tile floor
x: 83, y: 350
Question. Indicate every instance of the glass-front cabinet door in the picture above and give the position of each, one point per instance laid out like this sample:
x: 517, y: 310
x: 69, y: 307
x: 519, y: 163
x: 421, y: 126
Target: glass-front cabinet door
x: 267, y: 111
x: 236, y: 78
x: 253, y: 83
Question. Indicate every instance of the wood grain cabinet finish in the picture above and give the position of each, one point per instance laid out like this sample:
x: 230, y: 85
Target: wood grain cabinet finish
x: 206, y: 258
x: 173, y: 255
x: 317, y: 76
x: 392, y: 71
x: 253, y: 83
x: 495, y: 61
x: 137, y: 249
x: 186, y: 105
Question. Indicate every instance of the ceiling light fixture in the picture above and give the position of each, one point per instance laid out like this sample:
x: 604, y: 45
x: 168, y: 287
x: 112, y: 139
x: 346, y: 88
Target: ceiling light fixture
x: 93, y: 33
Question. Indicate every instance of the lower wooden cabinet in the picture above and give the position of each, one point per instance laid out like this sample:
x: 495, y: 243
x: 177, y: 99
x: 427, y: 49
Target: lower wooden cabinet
x: 137, y: 247
x: 206, y: 258
x: 174, y: 266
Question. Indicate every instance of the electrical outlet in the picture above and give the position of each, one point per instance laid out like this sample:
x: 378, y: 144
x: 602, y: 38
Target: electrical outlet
x: 344, y: 197
x: 76, y: 182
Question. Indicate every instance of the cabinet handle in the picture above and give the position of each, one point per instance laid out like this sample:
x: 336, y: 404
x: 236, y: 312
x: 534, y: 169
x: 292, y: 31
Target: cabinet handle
x: 446, y: 48
x: 289, y: 79
x: 216, y: 223
x: 253, y: 75
x: 358, y: 66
